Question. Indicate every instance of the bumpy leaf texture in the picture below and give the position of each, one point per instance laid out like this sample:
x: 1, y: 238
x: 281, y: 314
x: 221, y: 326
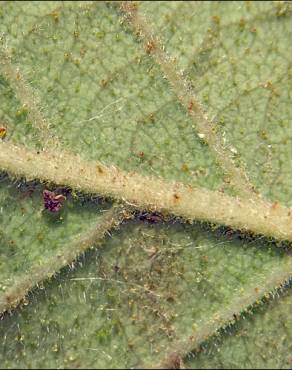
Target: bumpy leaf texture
x: 143, y: 296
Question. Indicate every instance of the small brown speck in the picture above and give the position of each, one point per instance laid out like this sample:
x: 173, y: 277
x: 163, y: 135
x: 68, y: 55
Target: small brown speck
x: 55, y: 16
x: 103, y: 83
x: 190, y: 106
x: 150, y: 46
x: 3, y: 132
x: 175, y: 361
x: 205, y: 258
x: 242, y: 22
x: 151, y: 117
x: 216, y: 19
x: 129, y: 7
x: 99, y: 170
x: 184, y: 167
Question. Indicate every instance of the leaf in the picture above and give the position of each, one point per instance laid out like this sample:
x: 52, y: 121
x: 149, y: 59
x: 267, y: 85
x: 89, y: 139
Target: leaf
x: 260, y: 335
x: 77, y: 79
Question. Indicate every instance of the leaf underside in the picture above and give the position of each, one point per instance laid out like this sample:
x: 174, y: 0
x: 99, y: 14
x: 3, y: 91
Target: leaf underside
x: 148, y: 287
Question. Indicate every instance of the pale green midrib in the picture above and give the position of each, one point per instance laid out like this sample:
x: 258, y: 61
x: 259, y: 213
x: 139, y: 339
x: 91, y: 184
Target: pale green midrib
x: 63, y: 168
x: 15, y: 294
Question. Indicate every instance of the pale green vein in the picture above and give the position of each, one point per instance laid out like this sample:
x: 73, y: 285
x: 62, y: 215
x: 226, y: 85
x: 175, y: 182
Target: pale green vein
x: 65, y: 256
x: 27, y: 96
x: 206, y: 129
x: 180, y: 348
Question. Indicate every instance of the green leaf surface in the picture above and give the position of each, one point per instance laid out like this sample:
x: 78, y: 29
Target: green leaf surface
x: 76, y: 77
x: 125, y: 304
x: 253, y: 342
x: 238, y: 58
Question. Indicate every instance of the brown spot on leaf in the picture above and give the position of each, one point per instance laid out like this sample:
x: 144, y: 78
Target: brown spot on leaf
x: 190, y: 106
x: 129, y: 7
x: 99, y: 170
x: 152, y: 218
x: 176, y: 197
x: 103, y: 83
x: 55, y: 15
x: 216, y: 19
x: 184, y: 167
x: 3, y: 132
x: 150, y: 46
x: 174, y: 361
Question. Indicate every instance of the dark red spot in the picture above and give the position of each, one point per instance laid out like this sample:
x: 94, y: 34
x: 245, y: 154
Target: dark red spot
x: 190, y: 106
x: 116, y: 268
x: 52, y: 201
x: 151, y: 218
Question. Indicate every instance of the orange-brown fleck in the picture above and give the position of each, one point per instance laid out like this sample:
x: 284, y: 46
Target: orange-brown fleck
x: 103, y: 83
x: 174, y: 361
x: 205, y: 258
x: 3, y: 132
x: 99, y: 170
x: 9, y: 299
x: 216, y: 19
x: 184, y: 167
x: 275, y: 205
x: 150, y: 46
x: 189, y: 187
x: 151, y: 117
x: 176, y: 197
x: 190, y: 106
x: 129, y: 7
x: 55, y: 16
x: 242, y: 22
x: 82, y: 52
x: 268, y: 85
